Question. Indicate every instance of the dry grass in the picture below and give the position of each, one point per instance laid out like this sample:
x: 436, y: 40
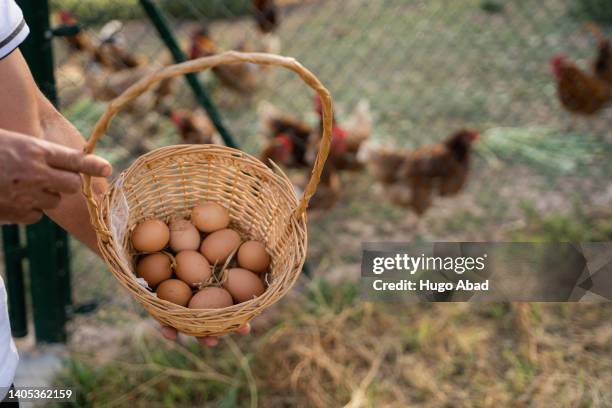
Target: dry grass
x: 328, y: 348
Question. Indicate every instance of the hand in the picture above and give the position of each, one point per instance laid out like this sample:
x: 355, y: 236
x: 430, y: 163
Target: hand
x: 170, y: 333
x: 34, y: 173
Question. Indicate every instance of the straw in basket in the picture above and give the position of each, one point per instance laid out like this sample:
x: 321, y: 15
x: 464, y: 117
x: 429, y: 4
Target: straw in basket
x: 169, y: 181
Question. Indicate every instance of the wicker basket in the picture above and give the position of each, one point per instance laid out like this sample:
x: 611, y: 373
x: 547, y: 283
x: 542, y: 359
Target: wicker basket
x: 169, y: 181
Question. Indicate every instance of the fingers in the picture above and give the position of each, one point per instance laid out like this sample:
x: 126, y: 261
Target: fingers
x: 36, y: 200
x: 244, y: 330
x: 208, y: 341
x: 46, y: 200
x: 211, y: 341
x: 169, y: 333
x: 30, y: 217
x: 64, y: 158
x: 63, y: 181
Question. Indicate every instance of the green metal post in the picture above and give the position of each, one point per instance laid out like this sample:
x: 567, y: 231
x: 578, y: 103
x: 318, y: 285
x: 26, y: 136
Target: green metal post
x: 15, y: 285
x: 163, y: 29
x: 47, y: 244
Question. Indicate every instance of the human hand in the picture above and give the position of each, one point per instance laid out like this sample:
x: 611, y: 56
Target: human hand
x: 34, y: 173
x: 170, y: 333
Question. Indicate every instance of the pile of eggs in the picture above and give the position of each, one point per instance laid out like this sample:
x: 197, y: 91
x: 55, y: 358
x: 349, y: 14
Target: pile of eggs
x: 199, y: 263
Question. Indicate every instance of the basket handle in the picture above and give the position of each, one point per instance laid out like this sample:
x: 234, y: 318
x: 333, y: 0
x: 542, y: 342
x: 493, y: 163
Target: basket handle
x: 201, y: 64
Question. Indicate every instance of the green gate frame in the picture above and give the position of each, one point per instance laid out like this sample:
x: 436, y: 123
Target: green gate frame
x: 47, y: 250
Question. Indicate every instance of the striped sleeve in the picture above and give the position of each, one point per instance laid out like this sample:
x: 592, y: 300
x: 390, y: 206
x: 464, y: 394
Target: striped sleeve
x: 13, y: 28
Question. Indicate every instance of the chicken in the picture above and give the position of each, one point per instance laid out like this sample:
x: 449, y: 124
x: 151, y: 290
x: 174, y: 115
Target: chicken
x: 579, y: 92
x: 107, y: 49
x: 289, y: 137
x: 266, y: 15
x: 602, y: 65
x: 328, y: 190
x: 112, y: 52
x: 194, y: 127
x: 242, y: 78
x: 348, y: 139
x: 105, y: 86
x: 80, y: 41
x: 412, y: 178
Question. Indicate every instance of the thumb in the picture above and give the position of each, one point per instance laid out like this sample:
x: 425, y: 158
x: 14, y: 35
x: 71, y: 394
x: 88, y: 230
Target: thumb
x: 65, y: 158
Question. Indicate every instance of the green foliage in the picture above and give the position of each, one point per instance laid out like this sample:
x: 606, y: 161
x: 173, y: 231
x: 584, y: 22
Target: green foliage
x: 574, y: 227
x: 323, y: 295
x: 546, y: 149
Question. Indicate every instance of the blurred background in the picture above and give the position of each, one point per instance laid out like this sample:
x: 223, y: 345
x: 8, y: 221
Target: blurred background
x: 407, y: 74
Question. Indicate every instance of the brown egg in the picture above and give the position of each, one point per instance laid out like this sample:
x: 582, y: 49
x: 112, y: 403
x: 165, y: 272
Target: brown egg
x: 210, y: 217
x: 183, y: 236
x: 175, y: 291
x: 252, y: 255
x: 211, y: 298
x: 150, y: 236
x: 192, y: 268
x: 154, y: 268
x: 243, y: 285
x: 219, y: 245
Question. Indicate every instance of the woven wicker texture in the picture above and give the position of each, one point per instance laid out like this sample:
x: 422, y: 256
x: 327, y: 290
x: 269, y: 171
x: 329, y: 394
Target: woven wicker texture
x: 171, y: 180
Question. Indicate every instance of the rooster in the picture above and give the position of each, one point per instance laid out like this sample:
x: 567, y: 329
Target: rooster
x: 288, y: 137
x: 194, y: 127
x: 579, y: 92
x: 348, y: 138
x: 266, y: 15
x: 412, y: 178
x: 242, y: 78
x: 79, y: 42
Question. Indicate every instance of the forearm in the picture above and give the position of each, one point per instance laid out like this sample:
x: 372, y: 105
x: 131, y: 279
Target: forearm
x: 26, y: 110
x: 72, y: 213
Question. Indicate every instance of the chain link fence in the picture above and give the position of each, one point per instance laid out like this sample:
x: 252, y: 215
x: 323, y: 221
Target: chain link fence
x: 426, y: 67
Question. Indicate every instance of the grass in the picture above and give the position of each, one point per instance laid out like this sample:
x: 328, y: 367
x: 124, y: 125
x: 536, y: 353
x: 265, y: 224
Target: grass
x: 328, y: 348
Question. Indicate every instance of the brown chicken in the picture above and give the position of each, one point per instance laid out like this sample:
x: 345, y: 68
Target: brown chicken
x: 579, y: 92
x: 241, y: 78
x: 602, y: 65
x: 112, y: 53
x: 328, y: 191
x: 80, y: 41
x: 105, y: 86
x: 289, y: 137
x: 106, y: 49
x: 115, y: 57
x: 412, y: 178
x: 348, y: 138
x: 266, y: 15
x: 194, y: 127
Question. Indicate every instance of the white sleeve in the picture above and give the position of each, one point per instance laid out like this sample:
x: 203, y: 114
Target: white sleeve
x: 13, y: 29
